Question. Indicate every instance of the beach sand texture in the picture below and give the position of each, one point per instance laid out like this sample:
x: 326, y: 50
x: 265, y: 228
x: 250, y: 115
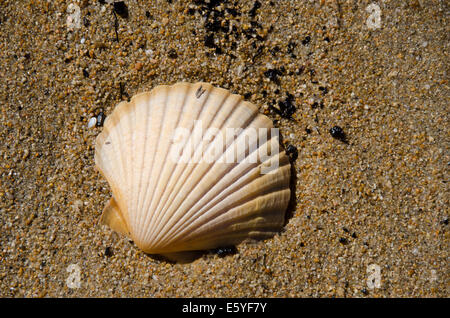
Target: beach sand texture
x: 370, y: 212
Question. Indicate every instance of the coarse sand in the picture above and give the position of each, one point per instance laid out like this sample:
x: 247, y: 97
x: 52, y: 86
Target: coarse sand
x: 370, y: 217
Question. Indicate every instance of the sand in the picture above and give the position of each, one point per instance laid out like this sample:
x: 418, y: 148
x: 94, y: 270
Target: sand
x: 370, y: 217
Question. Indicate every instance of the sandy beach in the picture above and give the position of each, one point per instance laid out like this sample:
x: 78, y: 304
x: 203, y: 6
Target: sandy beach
x: 370, y: 211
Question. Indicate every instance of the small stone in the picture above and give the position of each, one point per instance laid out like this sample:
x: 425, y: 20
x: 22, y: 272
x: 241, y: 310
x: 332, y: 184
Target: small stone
x: 343, y: 241
x: 108, y: 252
x: 100, y: 119
x: 225, y: 251
x: 121, y: 9
x: 337, y: 133
x: 292, y: 152
x: 92, y: 122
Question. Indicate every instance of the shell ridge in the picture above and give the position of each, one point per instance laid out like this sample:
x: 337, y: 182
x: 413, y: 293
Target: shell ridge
x: 113, y: 125
x: 183, y: 103
x: 208, y: 170
x: 234, y: 217
x: 222, y: 196
x: 198, y: 114
x: 176, y: 187
x: 203, y: 107
x: 148, y: 106
x: 238, y: 226
x: 249, y: 120
x: 148, y: 142
x: 141, y: 199
x: 229, y: 188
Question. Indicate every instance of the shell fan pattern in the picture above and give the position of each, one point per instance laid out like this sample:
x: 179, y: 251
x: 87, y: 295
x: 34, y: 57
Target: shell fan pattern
x: 192, y: 167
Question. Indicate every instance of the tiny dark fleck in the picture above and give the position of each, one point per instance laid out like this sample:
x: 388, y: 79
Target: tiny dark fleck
x: 199, y: 92
x: 327, y: 39
x: 225, y: 251
x: 232, y: 11
x: 291, y: 47
x: 247, y: 95
x: 100, y: 119
x: 343, y: 241
x: 273, y: 74
x: 255, y: 7
x: 209, y: 40
x: 274, y: 50
x: 308, y: 131
x: 148, y: 15
x: 191, y: 11
x: 306, y: 40
x: 102, y: 1
x: 345, y: 230
x: 300, y: 70
x: 364, y: 291
x: 85, y: 73
x: 337, y: 133
x: 302, y: 244
x: 172, y: 54
x: 121, y: 9
x: 323, y: 89
x: 292, y: 152
x: 445, y: 221
x: 86, y: 22
x: 354, y: 235
x: 315, y: 105
x: 287, y: 108
x: 108, y: 252
x: 27, y: 55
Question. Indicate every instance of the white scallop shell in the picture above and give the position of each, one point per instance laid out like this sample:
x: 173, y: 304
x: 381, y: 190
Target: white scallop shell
x: 166, y: 205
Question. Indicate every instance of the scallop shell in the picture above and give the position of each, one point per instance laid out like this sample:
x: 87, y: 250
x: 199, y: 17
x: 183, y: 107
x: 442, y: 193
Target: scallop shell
x: 167, y: 205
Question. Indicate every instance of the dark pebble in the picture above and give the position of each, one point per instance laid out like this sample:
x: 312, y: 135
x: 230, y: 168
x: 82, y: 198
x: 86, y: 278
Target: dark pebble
x: 337, y: 133
x: 306, y: 40
x: 324, y: 90
x: 287, y: 107
x: 85, y: 73
x: 209, y: 40
x: 108, y: 252
x: 172, y: 54
x: 225, y: 251
x: 343, y: 241
x: 100, y: 119
x: 292, y: 152
x: 255, y: 7
x: 273, y: 74
x: 121, y: 9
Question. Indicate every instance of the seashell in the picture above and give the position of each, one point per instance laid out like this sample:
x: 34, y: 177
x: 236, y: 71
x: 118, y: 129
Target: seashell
x: 178, y: 188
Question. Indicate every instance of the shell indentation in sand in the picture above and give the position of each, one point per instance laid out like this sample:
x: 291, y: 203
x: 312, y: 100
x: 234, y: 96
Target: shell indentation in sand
x: 192, y: 167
